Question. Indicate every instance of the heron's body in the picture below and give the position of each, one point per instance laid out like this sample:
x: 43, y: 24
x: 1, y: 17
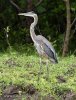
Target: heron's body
x: 45, y: 49
x: 43, y: 46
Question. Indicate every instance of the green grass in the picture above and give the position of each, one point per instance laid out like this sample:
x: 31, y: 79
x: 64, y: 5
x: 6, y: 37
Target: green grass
x: 25, y: 67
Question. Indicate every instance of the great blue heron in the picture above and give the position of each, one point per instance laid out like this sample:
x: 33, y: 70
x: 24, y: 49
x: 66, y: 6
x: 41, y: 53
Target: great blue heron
x: 43, y: 46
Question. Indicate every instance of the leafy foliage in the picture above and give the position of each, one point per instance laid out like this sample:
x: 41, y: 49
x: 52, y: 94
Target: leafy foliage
x: 52, y: 22
x: 21, y: 68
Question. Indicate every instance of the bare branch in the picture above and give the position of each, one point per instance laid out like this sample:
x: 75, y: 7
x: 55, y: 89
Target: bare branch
x: 40, y: 1
x: 16, y: 6
x: 73, y: 33
x: 73, y: 22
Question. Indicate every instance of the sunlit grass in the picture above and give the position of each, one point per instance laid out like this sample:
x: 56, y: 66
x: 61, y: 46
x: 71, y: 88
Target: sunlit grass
x: 25, y: 70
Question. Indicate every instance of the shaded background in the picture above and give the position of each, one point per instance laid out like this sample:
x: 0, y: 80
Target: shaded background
x: 51, y: 24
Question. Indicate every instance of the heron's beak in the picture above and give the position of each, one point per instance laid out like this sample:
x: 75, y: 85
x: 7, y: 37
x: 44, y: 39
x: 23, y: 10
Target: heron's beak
x: 25, y: 14
x: 22, y: 14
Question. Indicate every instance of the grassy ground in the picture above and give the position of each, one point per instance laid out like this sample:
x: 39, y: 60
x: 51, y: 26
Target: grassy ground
x: 21, y: 67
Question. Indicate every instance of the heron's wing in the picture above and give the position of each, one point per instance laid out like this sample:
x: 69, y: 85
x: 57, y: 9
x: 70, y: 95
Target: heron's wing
x: 47, y: 48
x: 47, y: 43
x: 49, y: 52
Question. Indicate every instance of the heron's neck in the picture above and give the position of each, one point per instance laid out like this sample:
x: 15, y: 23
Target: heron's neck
x: 32, y: 28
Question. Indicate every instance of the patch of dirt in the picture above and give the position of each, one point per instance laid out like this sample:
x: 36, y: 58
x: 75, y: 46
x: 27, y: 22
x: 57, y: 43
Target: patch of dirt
x: 69, y: 96
x: 11, y: 97
x: 11, y: 92
x: 48, y: 97
x: 11, y: 62
x: 17, y: 92
x: 61, y: 79
x: 30, y: 89
x: 29, y: 92
x: 12, y: 89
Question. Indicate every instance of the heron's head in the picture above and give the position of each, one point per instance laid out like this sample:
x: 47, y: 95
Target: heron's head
x: 30, y: 14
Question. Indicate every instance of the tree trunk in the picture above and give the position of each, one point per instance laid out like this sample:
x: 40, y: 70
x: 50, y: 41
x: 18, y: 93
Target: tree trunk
x: 68, y: 29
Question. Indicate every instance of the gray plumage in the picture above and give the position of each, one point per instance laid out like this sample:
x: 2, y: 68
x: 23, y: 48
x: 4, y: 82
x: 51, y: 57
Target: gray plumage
x: 46, y: 49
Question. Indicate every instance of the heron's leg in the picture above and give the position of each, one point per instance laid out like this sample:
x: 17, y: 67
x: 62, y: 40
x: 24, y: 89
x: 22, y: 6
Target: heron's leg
x: 39, y: 73
x: 47, y: 77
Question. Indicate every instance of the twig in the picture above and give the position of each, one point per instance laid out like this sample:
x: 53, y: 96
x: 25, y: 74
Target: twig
x: 73, y: 22
x: 40, y: 1
x: 16, y: 6
x: 73, y: 32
